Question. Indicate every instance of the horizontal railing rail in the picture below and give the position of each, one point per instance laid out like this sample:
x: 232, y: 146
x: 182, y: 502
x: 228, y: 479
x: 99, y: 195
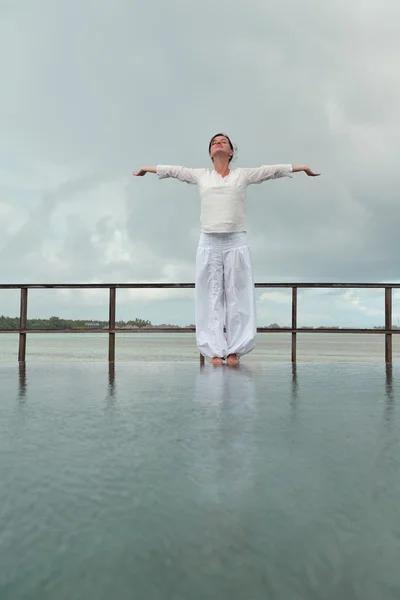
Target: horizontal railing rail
x: 112, y: 329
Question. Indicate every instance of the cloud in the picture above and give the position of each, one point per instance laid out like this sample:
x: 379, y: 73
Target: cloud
x: 91, y: 91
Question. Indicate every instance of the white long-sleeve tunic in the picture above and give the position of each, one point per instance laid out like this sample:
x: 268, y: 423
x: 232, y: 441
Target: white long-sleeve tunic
x: 222, y: 198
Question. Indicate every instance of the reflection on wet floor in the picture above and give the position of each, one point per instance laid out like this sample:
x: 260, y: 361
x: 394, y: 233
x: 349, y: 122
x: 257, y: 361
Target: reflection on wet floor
x: 270, y: 480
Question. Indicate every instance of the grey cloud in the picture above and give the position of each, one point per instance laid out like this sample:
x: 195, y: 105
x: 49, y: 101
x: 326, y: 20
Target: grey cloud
x: 103, y: 88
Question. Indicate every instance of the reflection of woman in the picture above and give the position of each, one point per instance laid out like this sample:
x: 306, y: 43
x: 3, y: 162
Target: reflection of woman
x: 224, y: 280
x: 229, y: 408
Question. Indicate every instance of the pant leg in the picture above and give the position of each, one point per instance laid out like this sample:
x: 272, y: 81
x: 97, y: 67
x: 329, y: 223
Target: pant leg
x: 241, y: 322
x: 209, y: 297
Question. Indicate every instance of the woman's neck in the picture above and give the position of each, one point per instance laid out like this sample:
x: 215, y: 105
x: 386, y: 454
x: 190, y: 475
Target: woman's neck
x: 221, y: 165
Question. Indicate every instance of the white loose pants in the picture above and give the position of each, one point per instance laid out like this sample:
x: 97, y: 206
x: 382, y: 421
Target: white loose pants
x: 224, y: 295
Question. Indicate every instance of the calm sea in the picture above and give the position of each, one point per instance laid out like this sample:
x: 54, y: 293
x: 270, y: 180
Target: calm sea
x: 160, y: 480
x: 182, y: 347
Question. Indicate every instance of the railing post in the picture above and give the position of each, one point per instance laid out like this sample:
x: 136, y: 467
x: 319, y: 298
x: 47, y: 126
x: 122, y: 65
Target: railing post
x: 294, y: 323
x: 388, y: 324
x: 23, y: 315
x: 111, y: 326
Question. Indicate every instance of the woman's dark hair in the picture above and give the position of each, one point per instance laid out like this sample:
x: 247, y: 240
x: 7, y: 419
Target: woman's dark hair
x: 233, y: 148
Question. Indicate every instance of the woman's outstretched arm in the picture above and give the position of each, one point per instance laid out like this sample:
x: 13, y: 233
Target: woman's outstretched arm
x: 306, y: 169
x: 265, y: 172
x: 165, y: 171
x: 144, y: 170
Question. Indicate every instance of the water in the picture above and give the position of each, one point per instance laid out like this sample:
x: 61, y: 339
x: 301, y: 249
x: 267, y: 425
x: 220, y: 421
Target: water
x: 160, y: 480
x: 181, y: 347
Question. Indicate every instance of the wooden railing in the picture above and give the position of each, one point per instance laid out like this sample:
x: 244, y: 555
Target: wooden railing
x: 387, y: 331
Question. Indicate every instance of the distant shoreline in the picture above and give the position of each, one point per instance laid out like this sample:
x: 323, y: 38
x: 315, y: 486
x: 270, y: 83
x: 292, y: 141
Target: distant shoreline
x: 57, y: 324
x: 171, y: 329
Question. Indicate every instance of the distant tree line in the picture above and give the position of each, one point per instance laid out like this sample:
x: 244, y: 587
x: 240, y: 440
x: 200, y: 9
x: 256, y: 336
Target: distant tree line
x: 276, y: 326
x: 12, y: 323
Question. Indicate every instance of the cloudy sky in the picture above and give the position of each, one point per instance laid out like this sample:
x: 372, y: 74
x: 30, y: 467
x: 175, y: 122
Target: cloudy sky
x: 93, y: 89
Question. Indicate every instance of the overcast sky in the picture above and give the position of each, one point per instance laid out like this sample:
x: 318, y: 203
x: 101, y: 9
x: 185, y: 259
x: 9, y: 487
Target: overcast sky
x: 93, y: 89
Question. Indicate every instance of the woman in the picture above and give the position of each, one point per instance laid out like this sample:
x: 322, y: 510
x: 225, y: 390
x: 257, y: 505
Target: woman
x: 225, y: 301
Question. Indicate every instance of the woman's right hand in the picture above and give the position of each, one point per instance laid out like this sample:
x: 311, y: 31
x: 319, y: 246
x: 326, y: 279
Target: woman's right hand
x: 139, y: 173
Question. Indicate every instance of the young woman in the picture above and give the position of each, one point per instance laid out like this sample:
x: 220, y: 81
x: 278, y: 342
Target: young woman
x: 225, y: 301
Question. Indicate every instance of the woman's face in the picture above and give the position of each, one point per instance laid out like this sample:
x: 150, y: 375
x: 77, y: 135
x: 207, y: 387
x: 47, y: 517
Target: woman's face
x: 220, y: 145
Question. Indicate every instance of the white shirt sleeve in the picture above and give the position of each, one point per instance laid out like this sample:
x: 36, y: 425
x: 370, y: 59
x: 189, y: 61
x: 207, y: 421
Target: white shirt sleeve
x: 260, y: 174
x: 182, y: 173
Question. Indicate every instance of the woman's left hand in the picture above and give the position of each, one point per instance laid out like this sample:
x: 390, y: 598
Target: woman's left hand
x: 310, y: 173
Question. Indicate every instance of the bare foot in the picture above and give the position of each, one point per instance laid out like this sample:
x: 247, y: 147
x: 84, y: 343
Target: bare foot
x: 216, y: 361
x: 232, y: 360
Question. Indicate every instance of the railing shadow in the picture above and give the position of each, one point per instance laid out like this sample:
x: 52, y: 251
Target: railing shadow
x: 22, y: 382
x: 390, y: 402
x: 111, y: 381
